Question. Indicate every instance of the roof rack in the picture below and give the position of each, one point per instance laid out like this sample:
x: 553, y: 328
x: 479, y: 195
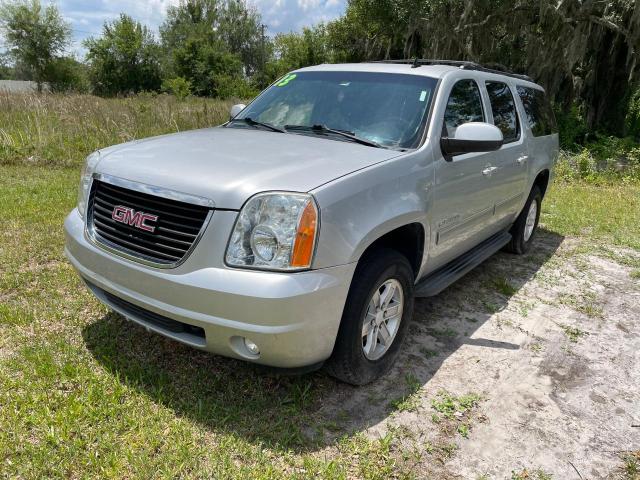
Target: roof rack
x: 465, y: 65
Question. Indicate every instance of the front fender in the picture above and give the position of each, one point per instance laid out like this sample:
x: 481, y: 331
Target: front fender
x: 359, y: 208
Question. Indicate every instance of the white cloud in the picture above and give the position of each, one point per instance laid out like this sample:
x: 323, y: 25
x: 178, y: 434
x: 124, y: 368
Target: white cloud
x: 292, y: 15
x: 88, y: 16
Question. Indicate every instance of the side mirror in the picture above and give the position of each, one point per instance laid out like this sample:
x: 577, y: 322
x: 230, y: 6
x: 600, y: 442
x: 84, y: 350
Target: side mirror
x: 235, y: 110
x: 472, y: 137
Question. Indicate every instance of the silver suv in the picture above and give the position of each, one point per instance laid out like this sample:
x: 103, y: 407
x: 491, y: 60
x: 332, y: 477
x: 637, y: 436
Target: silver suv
x: 299, y: 233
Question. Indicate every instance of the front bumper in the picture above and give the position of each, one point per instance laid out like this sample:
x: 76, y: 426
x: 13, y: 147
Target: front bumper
x: 292, y: 317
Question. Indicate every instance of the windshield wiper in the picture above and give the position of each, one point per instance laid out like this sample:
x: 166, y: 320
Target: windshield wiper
x: 250, y: 121
x: 343, y: 133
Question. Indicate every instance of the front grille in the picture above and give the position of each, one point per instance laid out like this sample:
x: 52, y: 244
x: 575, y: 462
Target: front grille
x: 174, y: 232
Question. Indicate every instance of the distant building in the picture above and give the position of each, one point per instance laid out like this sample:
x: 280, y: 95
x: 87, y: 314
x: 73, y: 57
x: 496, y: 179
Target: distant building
x: 20, y: 86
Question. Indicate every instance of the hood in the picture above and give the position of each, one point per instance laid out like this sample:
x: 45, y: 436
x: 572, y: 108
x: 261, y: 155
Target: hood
x: 228, y: 165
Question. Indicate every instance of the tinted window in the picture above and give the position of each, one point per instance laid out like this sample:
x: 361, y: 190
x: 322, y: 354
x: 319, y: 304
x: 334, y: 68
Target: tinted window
x: 505, y: 116
x: 390, y: 109
x: 538, y: 110
x: 464, y: 105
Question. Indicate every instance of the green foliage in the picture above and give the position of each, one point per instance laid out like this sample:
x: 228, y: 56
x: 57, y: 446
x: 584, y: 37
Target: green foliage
x: 212, y: 44
x: 605, y: 159
x: 525, y: 474
x: 6, y: 72
x: 631, y: 465
x: 66, y: 74
x: 297, y: 50
x: 125, y: 60
x: 179, y: 87
x: 451, y: 406
x: 632, y: 118
x: 227, y: 86
x: 572, y: 127
x: 35, y: 36
x: 61, y: 130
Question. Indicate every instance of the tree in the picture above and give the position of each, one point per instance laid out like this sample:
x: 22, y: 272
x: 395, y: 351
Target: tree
x: 582, y: 51
x: 6, y: 72
x: 241, y: 31
x: 212, y: 44
x: 66, y: 74
x: 36, y: 36
x: 293, y: 50
x: 126, y: 59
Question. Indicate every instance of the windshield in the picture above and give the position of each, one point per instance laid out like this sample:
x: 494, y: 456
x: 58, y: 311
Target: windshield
x: 388, y: 109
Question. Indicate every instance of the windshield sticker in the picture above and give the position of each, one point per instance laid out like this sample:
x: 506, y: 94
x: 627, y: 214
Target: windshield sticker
x: 423, y: 96
x: 286, y: 80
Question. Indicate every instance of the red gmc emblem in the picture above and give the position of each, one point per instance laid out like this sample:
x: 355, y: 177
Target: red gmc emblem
x: 129, y: 216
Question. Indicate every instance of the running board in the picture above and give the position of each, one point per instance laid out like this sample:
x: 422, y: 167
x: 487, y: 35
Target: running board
x: 437, y: 281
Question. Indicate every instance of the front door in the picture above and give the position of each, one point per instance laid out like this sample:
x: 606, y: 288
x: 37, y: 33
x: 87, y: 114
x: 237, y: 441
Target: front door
x: 463, y: 196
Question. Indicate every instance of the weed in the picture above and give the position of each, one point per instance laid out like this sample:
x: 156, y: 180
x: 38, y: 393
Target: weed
x: 411, y: 400
x: 531, y: 475
x: 491, y: 307
x: 536, y: 347
x: 428, y: 353
x: 585, y: 303
x: 456, y: 409
x: 503, y: 286
x: 442, y: 332
x: 442, y: 451
x: 631, y: 467
x: 573, y: 333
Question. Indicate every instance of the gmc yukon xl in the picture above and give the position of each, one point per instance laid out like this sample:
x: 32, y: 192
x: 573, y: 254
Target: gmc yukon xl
x: 299, y: 233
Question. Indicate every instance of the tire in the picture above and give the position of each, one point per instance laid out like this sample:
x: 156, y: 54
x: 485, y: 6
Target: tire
x: 384, y: 271
x: 522, y: 236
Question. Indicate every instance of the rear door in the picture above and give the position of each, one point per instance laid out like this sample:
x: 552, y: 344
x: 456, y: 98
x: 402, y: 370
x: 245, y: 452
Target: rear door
x: 542, y: 131
x: 463, y: 197
x: 511, y: 160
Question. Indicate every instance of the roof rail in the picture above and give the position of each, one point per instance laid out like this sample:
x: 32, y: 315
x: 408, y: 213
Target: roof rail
x: 465, y: 65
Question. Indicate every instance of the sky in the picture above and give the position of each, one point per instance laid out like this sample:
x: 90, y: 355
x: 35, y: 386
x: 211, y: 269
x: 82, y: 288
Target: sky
x: 88, y: 16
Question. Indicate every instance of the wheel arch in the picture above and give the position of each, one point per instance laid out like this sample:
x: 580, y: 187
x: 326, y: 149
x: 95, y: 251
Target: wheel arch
x: 408, y: 239
x: 542, y: 181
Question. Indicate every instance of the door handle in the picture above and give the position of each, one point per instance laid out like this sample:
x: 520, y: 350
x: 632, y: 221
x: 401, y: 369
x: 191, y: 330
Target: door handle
x: 489, y: 170
x: 522, y: 159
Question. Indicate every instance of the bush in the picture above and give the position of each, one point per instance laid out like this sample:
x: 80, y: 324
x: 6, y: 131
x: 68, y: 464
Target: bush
x: 68, y: 75
x: 572, y: 128
x: 179, y: 87
x: 226, y: 86
x: 632, y: 118
x: 608, y: 159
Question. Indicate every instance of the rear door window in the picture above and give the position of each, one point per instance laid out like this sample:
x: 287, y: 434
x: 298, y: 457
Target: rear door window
x: 464, y: 105
x: 539, y: 113
x: 503, y: 106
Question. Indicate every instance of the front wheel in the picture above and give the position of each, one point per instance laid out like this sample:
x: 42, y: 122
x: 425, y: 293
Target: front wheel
x: 525, y: 226
x: 375, y: 319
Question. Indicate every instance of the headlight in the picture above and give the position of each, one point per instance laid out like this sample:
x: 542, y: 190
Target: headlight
x: 85, y: 181
x: 275, y: 231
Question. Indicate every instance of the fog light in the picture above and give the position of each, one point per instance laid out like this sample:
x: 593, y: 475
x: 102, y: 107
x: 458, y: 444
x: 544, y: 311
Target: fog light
x: 252, y: 347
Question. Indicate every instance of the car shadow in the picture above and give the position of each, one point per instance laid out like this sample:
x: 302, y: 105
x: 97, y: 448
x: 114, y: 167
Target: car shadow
x: 307, y: 412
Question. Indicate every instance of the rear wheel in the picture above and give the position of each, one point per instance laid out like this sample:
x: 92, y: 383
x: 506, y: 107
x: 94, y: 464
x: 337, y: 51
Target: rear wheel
x: 524, y: 229
x: 375, y: 318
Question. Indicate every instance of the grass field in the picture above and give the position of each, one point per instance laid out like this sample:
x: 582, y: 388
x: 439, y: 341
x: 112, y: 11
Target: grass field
x: 85, y: 394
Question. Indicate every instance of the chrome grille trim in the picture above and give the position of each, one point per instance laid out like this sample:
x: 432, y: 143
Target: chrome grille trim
x: 170, y: 252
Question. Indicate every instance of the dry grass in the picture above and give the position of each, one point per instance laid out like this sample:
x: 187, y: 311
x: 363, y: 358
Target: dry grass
x: 62, y: 129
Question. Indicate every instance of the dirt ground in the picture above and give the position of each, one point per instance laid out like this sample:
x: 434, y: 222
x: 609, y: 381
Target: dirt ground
x: 527, y: 367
